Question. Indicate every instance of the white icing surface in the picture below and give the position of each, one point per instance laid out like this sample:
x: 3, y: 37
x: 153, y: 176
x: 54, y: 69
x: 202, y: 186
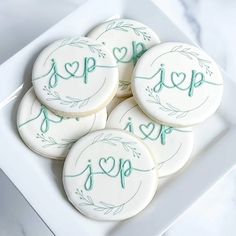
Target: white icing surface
x: 123, y: 37
x: 171, y: 147
x: 189, y: 91
x: 75, y: 76
x: 48, y: 134
x: 93, y: 173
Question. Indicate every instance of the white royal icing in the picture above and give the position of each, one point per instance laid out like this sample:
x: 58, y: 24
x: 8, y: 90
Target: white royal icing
x: 110, y: 175
x: 171, y: 147
x: 51, y: 135
x: 127, y: 40
x: 177, y: 84
x: 75, y: 76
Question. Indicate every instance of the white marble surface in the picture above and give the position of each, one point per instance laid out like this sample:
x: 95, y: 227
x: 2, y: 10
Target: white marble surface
x: 209, y: 22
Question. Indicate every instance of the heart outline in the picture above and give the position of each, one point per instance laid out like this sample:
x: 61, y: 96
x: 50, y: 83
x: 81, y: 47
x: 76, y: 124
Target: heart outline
x: 119, y: 50
x: 71, y: 65
x: 105, y: 160
x: 177, y: 74
x: 146, y: 126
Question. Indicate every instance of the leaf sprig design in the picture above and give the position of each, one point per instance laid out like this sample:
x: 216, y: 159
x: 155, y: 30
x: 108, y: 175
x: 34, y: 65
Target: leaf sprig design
x: 113, y: 140
x: 126, y: 27
x: 123, y: 85
x: 80, y: 43
x: 104, y: 207
x: 170, y: 109
x: 70, y: 101
x: 50, y: 141
x: 187, y: 52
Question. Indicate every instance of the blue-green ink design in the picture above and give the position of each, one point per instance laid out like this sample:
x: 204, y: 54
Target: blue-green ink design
x: 124, y: 85
x: 119, y: 25
x: 191, y: 55
x: 129, y: 126
x: 68, y: 100
x: 120, y: 54
x: 109, y: 166
x: 49, y: 141
x: 71, y: 69
x: 177, y: 80
x: 78, y: 42
x: 46, y: 121
x: 104, y: 207
x: 113, y: 141
x: 162, y: 135
x: 138, y: 48
x: 161, y: 164
x: 168, y: 108
x: 148, y: 131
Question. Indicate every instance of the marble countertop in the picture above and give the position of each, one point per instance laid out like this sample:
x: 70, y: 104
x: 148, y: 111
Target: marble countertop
x: 210, y: 23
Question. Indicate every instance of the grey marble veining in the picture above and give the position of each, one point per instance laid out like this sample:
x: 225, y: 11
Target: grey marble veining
x: 191, y: 18
x: 210, y: 23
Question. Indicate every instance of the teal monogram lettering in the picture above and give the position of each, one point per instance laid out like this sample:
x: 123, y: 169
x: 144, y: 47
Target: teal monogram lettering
x: 109, y: 166
x: 120, y: 54
x: 45, y: 125
x: 150, y: 131
x: 178, y: 80
x: 129, y: 126
x: 89, y: 66
x: 71, y: 69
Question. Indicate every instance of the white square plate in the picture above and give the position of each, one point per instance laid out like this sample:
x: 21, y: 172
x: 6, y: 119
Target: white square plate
x: 39, y: 179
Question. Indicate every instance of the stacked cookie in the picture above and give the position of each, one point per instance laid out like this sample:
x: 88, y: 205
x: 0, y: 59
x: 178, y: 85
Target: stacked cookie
x: 154, y: 93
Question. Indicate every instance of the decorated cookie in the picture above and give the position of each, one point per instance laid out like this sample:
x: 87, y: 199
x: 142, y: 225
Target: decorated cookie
x: 52, y: 135
x: 177, y: 84
x: 110, y: 175
x: 75, y: 76
x: 127, y: 40
x: 171, y: 147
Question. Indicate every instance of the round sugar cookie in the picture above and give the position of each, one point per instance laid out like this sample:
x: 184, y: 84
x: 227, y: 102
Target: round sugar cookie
x: 171, y: 147
x: 127, y: 40
x: 51, y: 135
x: 177, y: 84
x: 110, y: 175
x: 75, y: 77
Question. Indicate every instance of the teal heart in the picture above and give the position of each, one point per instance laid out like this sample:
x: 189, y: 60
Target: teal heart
x: 107, y: 164
x: 147, y: 129
x: 72, y: 67
x: 119, y: 53
x: 177, y: 78
x: 140, y: 50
